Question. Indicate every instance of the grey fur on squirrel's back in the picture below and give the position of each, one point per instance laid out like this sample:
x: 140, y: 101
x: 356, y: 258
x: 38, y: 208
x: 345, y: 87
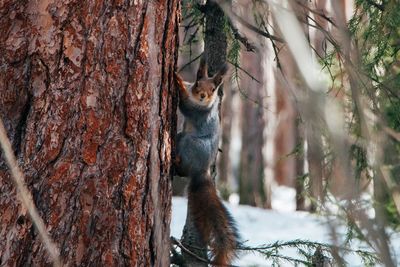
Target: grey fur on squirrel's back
x: 201, y: 144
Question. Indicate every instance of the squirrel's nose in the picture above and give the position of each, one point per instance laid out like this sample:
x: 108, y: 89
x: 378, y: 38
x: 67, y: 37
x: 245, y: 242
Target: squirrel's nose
x: 202, y: 95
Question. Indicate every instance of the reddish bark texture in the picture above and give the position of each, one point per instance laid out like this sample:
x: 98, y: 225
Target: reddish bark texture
x: 87, y: 99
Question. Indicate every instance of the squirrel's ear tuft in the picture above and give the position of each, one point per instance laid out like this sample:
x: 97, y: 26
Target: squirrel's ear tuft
x: 202, y: 72
x: 179, y: 81
x: 218, y: 78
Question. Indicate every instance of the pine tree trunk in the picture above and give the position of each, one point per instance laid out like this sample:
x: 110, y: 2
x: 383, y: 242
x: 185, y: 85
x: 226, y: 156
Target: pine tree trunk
x: 88, y: 104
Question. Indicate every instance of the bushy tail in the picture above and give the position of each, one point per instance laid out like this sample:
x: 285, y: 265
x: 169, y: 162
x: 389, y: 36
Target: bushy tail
x: 213, y: 221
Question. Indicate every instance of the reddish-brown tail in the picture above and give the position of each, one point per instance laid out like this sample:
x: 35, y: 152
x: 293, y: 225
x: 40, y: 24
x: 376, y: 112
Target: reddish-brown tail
x: 213, y: 221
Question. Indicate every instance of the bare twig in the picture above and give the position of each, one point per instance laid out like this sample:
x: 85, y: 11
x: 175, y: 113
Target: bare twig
x: 190, y: 62
x: 392, y: 133
x: 316, y: 12
x: 179, y: 244
x: 233, y: 15
x: 26, y: 198
x: 188, y: 251
x: 245, y: 71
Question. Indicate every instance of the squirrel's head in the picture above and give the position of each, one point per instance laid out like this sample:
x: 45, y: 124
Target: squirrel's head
x: 203, y: 92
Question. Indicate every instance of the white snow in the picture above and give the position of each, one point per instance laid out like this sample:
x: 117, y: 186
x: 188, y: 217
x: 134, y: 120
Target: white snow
x: 258, y: 226
x: 283, y: 198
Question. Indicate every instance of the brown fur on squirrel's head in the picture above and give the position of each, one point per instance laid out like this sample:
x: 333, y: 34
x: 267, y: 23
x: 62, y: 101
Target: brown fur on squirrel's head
x: 204, y: 91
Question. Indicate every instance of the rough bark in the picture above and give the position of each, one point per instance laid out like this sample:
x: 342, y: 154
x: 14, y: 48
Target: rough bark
x: 88, y: 103
x: 215, y: 41
x: 215, y: 45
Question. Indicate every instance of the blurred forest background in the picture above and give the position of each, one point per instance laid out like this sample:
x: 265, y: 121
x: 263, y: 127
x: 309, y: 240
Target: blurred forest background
x: 313, y: 104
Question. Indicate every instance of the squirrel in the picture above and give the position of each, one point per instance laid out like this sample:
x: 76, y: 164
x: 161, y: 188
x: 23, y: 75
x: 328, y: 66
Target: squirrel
x: 196, y: 149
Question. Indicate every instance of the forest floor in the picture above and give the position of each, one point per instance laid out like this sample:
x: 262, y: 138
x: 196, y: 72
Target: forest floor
x: 259, y: 227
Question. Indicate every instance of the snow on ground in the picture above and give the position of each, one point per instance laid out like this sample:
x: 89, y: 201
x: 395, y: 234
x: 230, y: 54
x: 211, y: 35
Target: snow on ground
x: 259, y: 226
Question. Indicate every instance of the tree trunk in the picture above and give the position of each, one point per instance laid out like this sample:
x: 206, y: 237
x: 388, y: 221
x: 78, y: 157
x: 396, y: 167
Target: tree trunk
x: 291, y: 131
x: 286, y: 137
x: 315, y: 155
x: 252, y: 163
x: 88, y: 103
x: 225, y: 172
x: 251, y: 170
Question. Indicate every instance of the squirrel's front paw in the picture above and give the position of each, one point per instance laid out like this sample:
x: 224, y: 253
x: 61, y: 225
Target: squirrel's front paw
x: 178, y: 168
x: 177, y: 160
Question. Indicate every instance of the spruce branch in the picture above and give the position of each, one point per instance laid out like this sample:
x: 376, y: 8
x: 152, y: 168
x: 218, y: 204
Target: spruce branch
x: 244, y: 71
x: 270, y: 250
x: 178, y: 243
x: 241, y: 38
x: 232, y: 15
x: 381, y: 7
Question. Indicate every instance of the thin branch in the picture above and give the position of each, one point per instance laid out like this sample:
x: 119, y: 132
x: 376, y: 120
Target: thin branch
x: 179, y: 244
x: 188, y: 251
x: 254, y: 101
x: 392, y: 133
x: 327, y: 34
x: 241, y: 38
x: 246, y: 24
x: 274, y: 47
x: 245, y: 71
x: 192, y: 36
x: 316, y: 12
x: 190, y: 62
x: 257, y: 30
x: 25, y: 197
x: 193, y: 22
x: 176, y: 258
